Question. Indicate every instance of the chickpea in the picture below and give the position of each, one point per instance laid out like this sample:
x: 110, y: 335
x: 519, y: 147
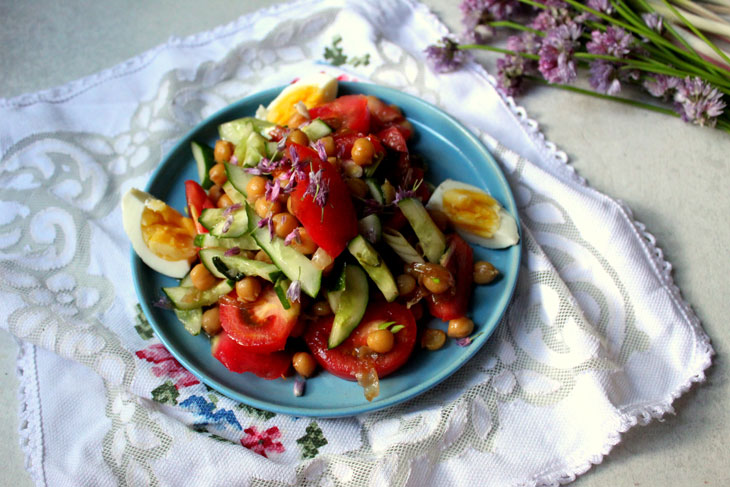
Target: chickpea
x: 484, y: 272
x: 223, y: 151
x: 363, y: 151
x: 256, y: 188
x: 224, y: 201
x: 388, y: 192
x: 202, y: 278
x: 218, y: 174
x: 329, y: 145
x: 265, y: 208
x: 284, y: 223
x: 304, y: 363
x: 296, y: 120
x: 214, y: 193
x: 321, y: 308
x: 298, y: 137
x: 406, y: 284
x: 436, y: 278
x: 440, y: 219
x: 212, y: 321
x: 433, y: 339
x: 262, y: 257
x: 460, y: 327
x: 357, y: 187
x: 248, y: 289
x: 307, y: 245
x: 381, y: 341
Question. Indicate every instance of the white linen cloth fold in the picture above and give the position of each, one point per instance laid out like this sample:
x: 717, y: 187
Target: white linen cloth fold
x: 597, y: 338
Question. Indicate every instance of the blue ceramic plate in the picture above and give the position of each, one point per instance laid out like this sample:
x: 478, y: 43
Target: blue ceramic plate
x: 451, y: 151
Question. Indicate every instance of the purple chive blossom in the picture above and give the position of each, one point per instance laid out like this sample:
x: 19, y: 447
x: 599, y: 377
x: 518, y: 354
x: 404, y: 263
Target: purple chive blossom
x: 234, y: 160
x: 318, y: 188
x: 653, y: 21
x: 372, y: 207
x: 319, y: 147
x: 227, y: 224
x: 526, y: 42
x: 162, y: 302
x: 402, y: 194
x: 662, y: 86
x: 601, y: 5
x: 445, y: 57
x: 698, y: 102
x: 267, y: 222
x: 605, y: 77
x: 293, y: 235
x: 556, y: 54
x: 254, y: 170
x: 293, y: 155
x: 464, y: 342
x: 272, y: 191
x: 510, y: 75
x: 614, y: 42
x: 294, y: 293
x: 232, y: 251
x: 231, y: 209
x: 299, y: 384
x: 552, y: 17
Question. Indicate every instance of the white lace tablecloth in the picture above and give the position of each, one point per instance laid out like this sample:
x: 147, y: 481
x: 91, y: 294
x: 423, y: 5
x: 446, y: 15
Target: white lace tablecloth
x: 596, y: 340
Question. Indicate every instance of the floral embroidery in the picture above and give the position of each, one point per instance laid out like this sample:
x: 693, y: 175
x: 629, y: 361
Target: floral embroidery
x: 256, y: 412
x: 144, y: 330
x: 167, y: 366
x: 262, y: 442
x: 337, y: 57
x: 312, y: 441
x: 166, y: 393
x: 207, y: 411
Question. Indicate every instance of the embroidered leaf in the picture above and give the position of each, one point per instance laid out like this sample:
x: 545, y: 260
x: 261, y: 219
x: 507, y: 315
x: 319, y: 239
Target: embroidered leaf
x: 337, y: 57
x: 312, y: 441
x: 255, y: 412
x: 167, y: 393
x: 144, y: 330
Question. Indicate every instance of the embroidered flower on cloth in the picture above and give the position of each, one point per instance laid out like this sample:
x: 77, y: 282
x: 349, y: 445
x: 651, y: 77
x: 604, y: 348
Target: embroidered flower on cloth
x: 166, y: 365
x: 262, y: 442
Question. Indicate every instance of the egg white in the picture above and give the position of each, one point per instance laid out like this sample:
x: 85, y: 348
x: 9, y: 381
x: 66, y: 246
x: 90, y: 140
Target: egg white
x: 505, y: 236
x: 133, y: 204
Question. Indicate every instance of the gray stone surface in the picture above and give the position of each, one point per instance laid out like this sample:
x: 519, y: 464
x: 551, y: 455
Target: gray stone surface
x: 674, y: 177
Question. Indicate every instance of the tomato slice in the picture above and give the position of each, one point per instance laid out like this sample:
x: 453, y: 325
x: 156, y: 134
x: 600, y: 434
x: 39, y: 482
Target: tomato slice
x: 392, y: 137
x: 345, y: 113
x: 448, y: 306
x: 343, y: 360
x: 237, y: 359
x: 334, y: 225
x: 260, y: 327
x: 197, y: 200
x: 381, y: 114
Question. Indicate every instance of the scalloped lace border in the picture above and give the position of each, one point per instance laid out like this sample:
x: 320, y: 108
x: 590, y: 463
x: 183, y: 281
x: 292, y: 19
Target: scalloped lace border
x: 30, y: 430
x: 29, y: 412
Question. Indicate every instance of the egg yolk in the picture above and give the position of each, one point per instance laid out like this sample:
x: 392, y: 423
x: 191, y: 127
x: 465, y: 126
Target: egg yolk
x: 282, y: 111
x: 167, y: 233
x: 472, y: 211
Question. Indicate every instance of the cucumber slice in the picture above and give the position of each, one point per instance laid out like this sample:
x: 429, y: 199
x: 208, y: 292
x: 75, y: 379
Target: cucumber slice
x: 206, y: 240
x: 235, y: 195
x: 204, y: 159
x: 352, y: 303
x: 235, y: 224
x: 236, y: 268
x: 192, y: 319
x: 433, y: 242
x: 186, y: 281
x: 292, y: 263
x: 238, y: 178
x: 191, y: 297
x: 373, y: 264
x: 370, y: 228
x: 280, y: 288
x: 402, y: 247
x: 375, y: 190
x: 238, y: 130
x: 316, y: 129
x: 250, y: 152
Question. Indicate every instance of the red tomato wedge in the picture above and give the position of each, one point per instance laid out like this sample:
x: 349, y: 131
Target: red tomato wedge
x: 392, y: 137
x: 237, y: 359
x: 197, y: 200
x: 343, y: 361
x: 448, y: 306
x: 334, y: 225
x: 346, y: 113
x: 382, y: 114
x: 260, y: 327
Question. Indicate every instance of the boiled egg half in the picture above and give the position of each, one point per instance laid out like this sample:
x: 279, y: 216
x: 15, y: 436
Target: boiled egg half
x: 159, y: 234
x: 476, y: 216
x: 312, y: 90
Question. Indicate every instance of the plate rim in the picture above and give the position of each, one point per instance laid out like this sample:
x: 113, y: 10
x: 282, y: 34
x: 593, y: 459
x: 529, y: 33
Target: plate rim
x: 402, y: 396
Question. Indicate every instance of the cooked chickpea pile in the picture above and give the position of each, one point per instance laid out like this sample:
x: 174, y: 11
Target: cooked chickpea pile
x: 413, y: 284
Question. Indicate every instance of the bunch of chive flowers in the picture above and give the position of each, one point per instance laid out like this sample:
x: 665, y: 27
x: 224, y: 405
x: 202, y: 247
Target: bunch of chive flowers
x: 672, y: 49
